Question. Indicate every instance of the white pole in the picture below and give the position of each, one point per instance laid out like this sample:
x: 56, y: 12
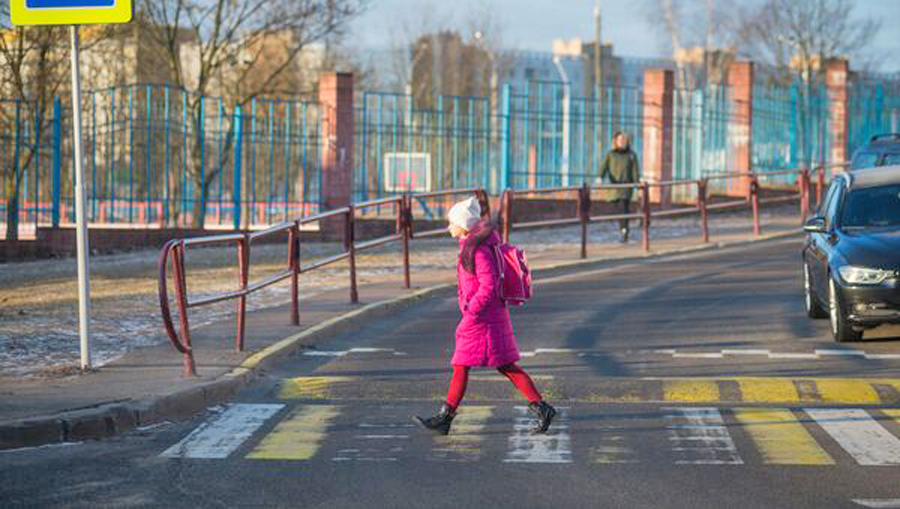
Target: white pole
x: 567, y: 99
x: 84, y: 283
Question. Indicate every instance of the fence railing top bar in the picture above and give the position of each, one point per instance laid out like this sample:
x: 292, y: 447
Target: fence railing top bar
x: 375, y: 203
x: 436, y: 194
x: 548, y: 190
x: 212, y: 239
x: 672, y: 183
x: 278, y: 228
x: 602, y: 187
x: 324, y: 215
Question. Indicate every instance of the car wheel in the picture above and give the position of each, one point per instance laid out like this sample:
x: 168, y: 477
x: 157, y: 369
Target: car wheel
x: 814, y: 308
x: 840, y: 327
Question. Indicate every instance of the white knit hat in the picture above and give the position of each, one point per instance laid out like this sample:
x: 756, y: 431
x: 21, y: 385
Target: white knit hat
x: 465, y: 214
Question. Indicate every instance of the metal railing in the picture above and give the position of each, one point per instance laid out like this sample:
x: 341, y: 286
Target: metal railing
x: 403, y: 207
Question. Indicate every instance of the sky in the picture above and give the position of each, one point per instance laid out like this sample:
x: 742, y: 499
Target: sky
x: 534, y: 24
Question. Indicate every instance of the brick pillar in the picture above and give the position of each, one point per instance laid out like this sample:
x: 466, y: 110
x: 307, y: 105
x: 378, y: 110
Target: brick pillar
x: 836, y: 75
x: 657, y: 164
x: 336, y: 103
x: 740, y: 126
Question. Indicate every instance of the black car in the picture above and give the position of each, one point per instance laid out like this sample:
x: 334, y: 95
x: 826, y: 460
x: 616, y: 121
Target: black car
x: 851, y: 258
x: 882, y: 150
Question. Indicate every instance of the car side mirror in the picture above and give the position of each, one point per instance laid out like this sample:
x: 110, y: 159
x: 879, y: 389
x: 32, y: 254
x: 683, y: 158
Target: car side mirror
x: 815, y: 225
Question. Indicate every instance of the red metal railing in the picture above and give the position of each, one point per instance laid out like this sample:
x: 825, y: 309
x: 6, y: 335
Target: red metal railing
x: 402, y: 210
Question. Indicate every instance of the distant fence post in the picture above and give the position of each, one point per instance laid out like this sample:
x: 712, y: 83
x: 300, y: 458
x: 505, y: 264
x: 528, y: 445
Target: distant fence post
x: 238, y: 180
x: 57, y: 159
x: 740, y: 127
x: 659, y: 85
x: 836, y: 76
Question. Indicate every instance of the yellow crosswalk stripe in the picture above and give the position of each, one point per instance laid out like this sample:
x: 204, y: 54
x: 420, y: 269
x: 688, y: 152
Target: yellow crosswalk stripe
x: 311, y: 387
x: 299, y: 436
x: 762, y: 390
x: 464, y: 442
x: 780, y: 438
x: 846, y: 391
x: 691, y: 391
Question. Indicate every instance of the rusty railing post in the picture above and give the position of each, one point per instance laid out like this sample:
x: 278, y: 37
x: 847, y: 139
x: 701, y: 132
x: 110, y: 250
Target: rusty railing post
x: 702, y: 185
x: 820, y: 184
x: 190, y: 367
x: 485, y: 203
x: 584, y: 214
x: 645, y: 207
x: 507, y: 214
x: 403, y: 207
x: 294, y: 264
x: 350, y: 246
x: 754, y: 202
x: 804, y: 194
x: 243, y: 277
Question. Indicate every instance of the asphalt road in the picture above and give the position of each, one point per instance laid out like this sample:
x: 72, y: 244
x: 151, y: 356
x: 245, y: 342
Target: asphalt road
x: 688, y: 382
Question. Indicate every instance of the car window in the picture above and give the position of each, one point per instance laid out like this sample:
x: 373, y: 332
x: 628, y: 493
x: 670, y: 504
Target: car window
x: 891, y: 159
x: 864, y: 160
x: 832, y: 205
x: 872, y: 207
x: 832, y: 188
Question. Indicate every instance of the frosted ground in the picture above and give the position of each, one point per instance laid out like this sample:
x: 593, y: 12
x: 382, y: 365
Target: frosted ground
x: 38, y: 307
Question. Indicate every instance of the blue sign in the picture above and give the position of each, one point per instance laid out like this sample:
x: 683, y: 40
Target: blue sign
x: 67, y: 4
x: 70, y: 12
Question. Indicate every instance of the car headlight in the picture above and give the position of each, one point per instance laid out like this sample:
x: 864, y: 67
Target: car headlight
x: 864, y: 276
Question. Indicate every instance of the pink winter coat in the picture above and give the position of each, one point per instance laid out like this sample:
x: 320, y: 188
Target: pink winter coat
x: 484, y: 336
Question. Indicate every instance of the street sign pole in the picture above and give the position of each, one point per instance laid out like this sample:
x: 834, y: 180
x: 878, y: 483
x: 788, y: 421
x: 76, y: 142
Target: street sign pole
x: 75, y: 13
x: 81, y: 235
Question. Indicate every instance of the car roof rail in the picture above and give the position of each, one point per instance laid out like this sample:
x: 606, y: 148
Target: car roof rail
x: 885, y: 137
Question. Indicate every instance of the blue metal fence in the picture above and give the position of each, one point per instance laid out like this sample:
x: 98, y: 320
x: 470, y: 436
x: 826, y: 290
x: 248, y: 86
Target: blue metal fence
x: 701, y: 145
x: 559, y: 140
x: 874, y: 108
x: 403, y: 147
x: 790, y: 126
x: 158, y: 155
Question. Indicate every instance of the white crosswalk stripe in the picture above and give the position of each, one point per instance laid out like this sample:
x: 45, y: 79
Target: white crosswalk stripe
x: 698, y: 436
x: 224, y: 433
x: 859, y: 434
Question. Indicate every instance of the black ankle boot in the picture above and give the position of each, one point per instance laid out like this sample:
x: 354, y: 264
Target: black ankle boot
x: 440, y: 423
x: 544, y: 414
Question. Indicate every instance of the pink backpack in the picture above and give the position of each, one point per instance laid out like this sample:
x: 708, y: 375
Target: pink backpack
x: 515, y: 276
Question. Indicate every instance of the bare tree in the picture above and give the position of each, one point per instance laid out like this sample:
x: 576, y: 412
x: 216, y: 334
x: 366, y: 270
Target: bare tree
x: 689, y: 25
x: 33, y: 62
x: 798, y: 37
x: 238, y: 48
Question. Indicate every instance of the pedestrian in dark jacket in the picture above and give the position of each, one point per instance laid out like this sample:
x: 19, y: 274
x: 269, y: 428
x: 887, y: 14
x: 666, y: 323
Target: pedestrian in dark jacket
x: 484, y: 336
x: 620, y: 166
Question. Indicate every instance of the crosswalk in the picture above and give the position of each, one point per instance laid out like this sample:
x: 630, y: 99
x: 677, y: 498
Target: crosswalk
x: 680, y: 435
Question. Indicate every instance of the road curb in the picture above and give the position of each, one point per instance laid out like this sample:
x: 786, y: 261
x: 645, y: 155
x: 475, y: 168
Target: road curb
x: 107, y: 420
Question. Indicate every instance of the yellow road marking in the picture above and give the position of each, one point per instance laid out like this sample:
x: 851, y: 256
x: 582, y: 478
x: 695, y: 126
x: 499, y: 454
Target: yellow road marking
x: 311, y: 387
x: 762, y: 390
x: 780, y: 438
x: 691, y: 391
x: 464, y: 441
x: 846, y: 391
x: 298, y: 437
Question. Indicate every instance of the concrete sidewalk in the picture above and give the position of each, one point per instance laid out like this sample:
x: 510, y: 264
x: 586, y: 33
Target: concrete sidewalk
x: 146, y: 386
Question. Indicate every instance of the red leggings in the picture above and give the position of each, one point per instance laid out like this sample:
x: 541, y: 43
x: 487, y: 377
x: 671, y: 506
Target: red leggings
x: 516, y: 375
